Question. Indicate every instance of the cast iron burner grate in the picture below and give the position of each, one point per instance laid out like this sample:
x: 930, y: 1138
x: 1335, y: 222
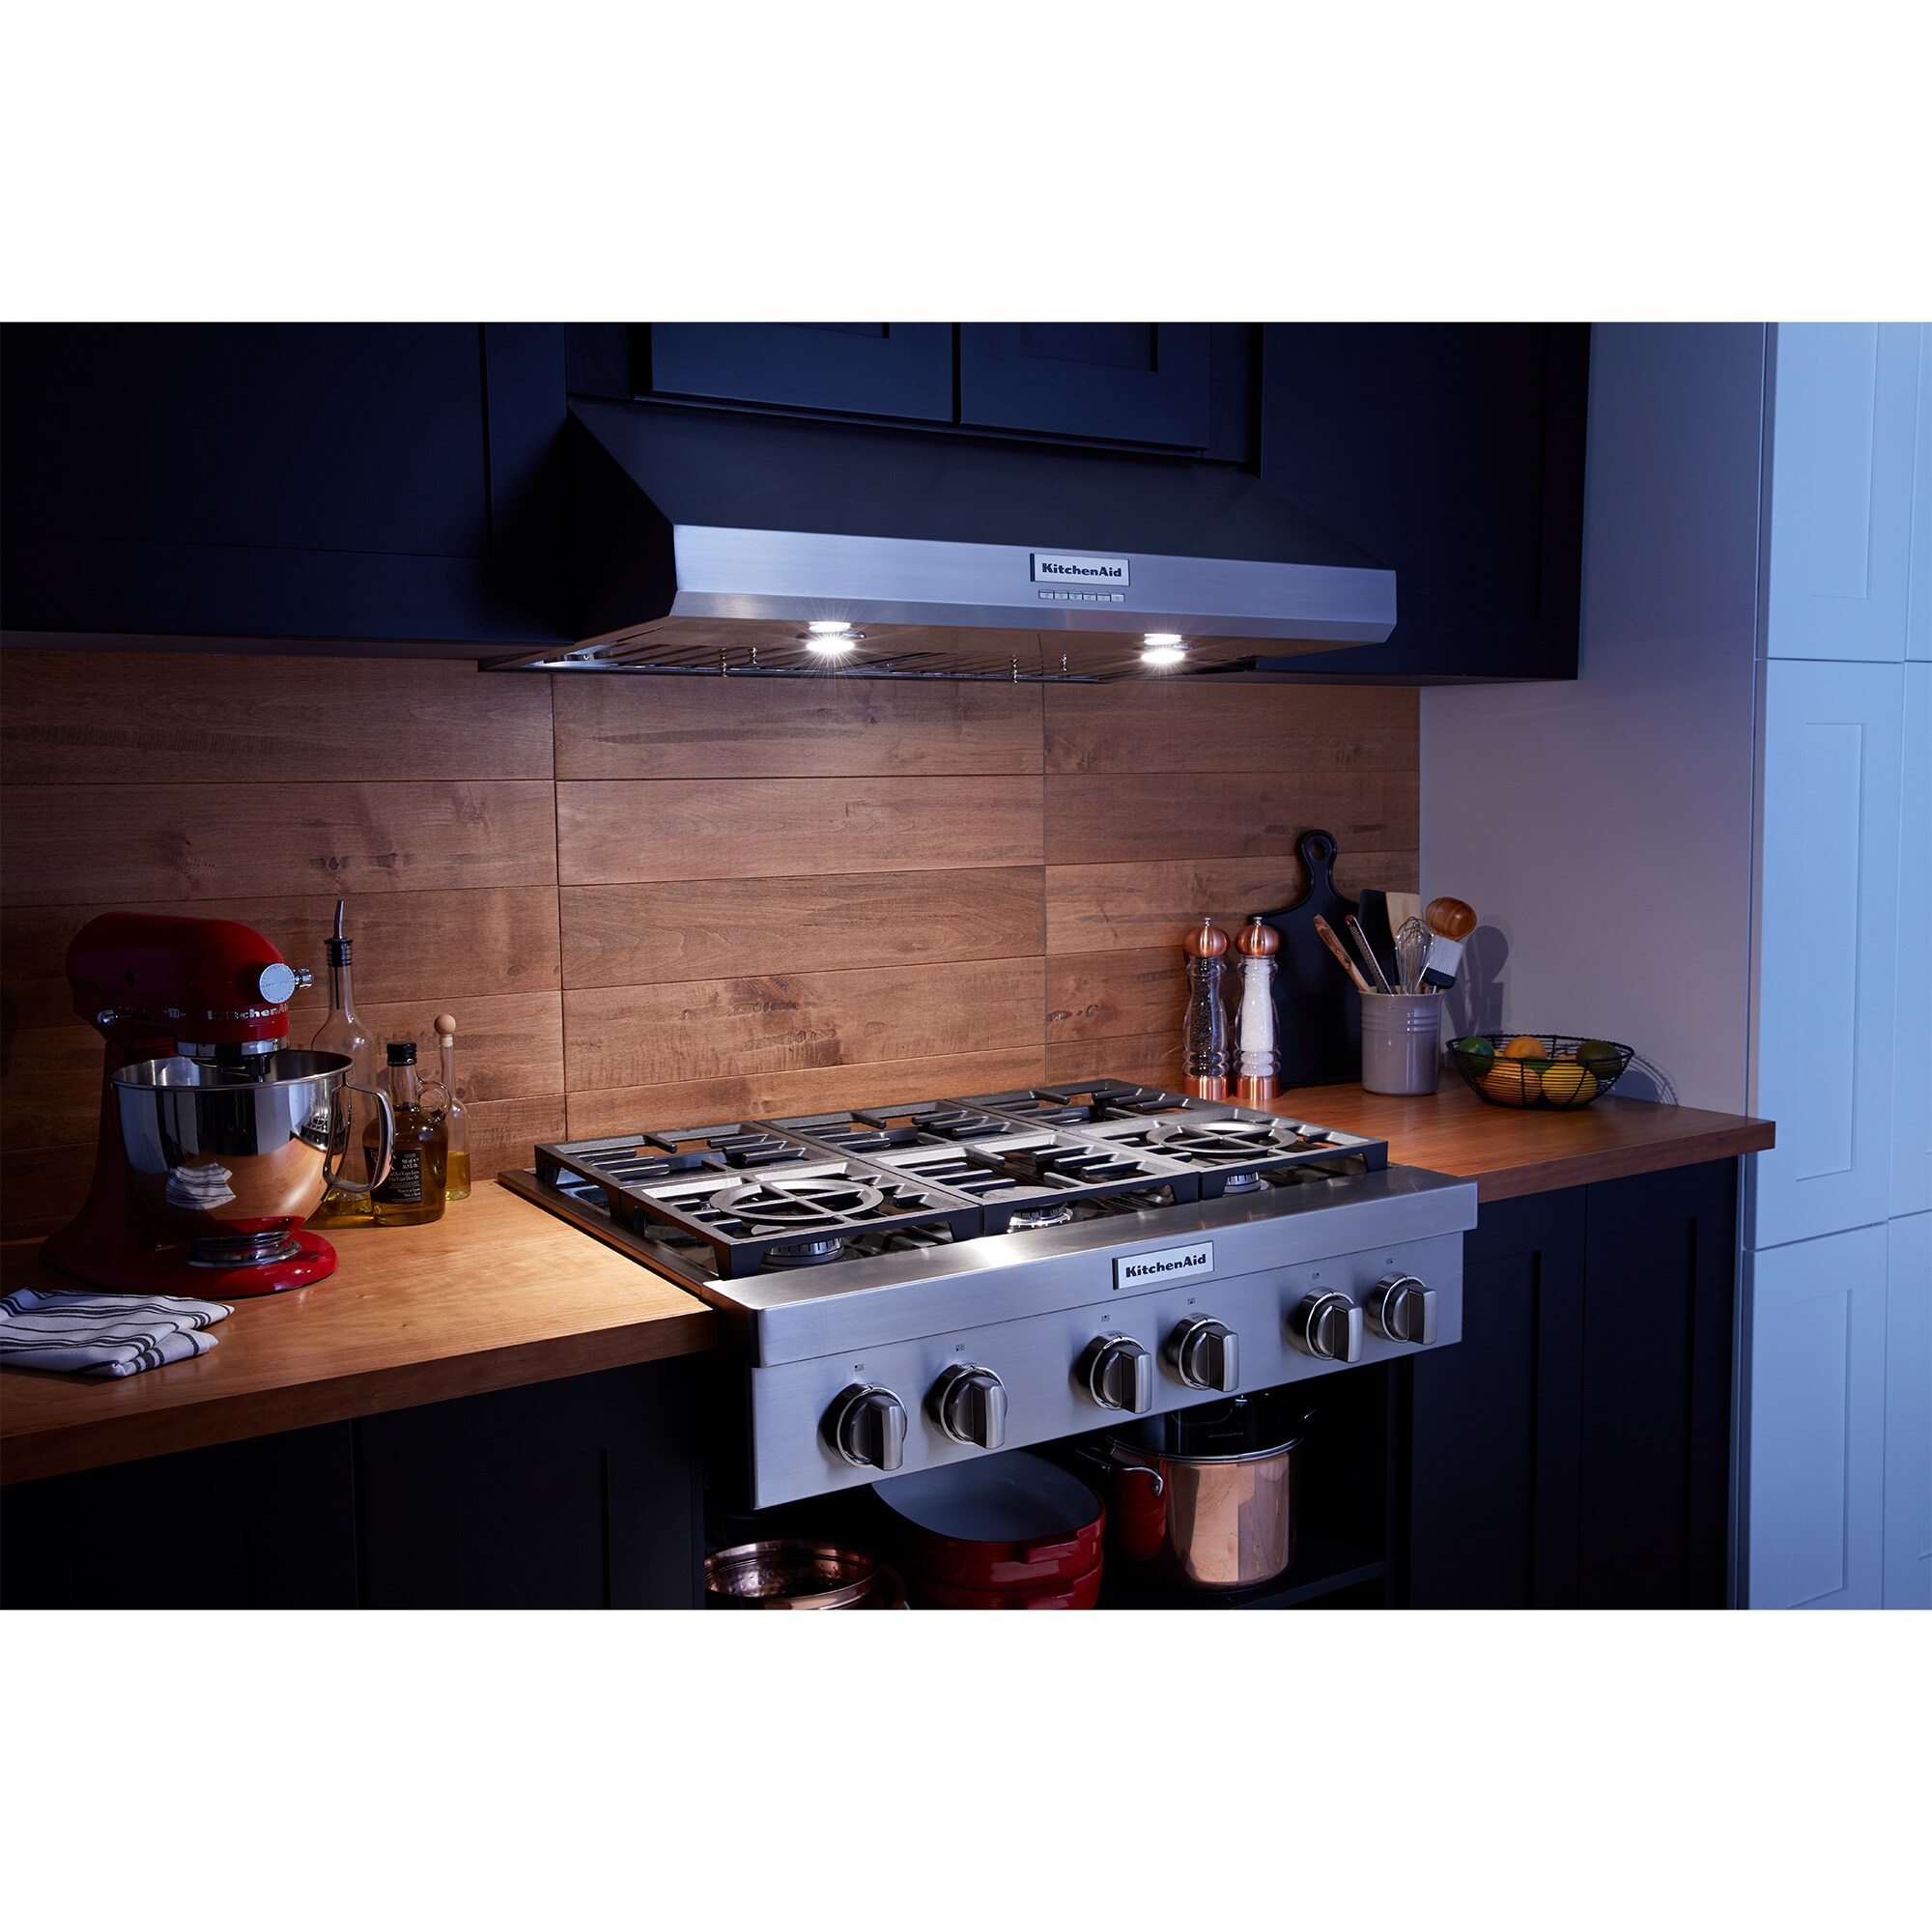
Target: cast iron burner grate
x: 1230, y: 1148
x: 802, y: 1206
x: 1024, y: 1182
x: 921, y: 1122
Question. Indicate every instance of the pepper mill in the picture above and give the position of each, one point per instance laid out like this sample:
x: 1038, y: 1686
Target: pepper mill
x: 1204, y: 1034
x: 1258, y: 1065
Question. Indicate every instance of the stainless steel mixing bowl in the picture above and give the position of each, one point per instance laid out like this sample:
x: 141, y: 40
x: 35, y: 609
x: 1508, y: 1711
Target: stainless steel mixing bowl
x: 238, y: 1164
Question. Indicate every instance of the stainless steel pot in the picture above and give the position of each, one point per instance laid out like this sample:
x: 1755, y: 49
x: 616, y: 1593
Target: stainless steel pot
x: 238, y: 1164
x: 1205, y: 1499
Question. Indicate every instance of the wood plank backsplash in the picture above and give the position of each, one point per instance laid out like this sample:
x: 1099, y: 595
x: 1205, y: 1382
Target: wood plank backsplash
x: 651, y: 901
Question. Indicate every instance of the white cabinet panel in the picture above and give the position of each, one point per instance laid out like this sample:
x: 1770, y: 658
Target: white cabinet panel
x: 1912, y: 1022
x: 1844, y: 419
x: 1815, y: 1314
x: 1919, y: 620
x: 1821, y: 1045
x: 1908, y: 1416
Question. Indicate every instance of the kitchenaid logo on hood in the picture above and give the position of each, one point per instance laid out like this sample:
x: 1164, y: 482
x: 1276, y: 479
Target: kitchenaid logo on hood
x: 1163, y: 1266
x: 1107, y: 569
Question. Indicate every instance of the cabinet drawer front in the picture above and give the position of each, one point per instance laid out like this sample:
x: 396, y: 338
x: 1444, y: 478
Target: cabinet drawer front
x: 1846, y: 402
x: 1823, y: 1052
x: 1815, y: 1456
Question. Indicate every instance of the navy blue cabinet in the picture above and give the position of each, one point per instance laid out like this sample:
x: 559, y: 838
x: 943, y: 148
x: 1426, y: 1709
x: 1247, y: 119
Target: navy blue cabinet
x: 1121, y: 382
x: 902, y: 369
x: 1574, y: 1448
x: 1454, y: 454
x: 1183, y: 386
x: 382, y: 481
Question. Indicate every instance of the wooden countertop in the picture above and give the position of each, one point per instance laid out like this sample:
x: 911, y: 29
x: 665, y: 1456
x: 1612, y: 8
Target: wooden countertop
x: 498, y: 1293
x: 1512, y: 1151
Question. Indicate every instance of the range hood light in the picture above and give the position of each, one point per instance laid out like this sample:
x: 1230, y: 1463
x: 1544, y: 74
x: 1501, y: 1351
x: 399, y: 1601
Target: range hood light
x: 831, y: 639
x: 1163, y: 647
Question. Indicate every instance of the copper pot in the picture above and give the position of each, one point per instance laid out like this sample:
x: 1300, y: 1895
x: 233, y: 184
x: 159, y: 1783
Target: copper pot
x: 1208, y: 1498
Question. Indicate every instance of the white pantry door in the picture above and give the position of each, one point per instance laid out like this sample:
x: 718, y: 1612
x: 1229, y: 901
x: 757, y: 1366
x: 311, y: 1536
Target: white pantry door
x: 1844, y: 423
x: 1908, y: 1416
x: 1815, y: 1318
x: 1823, y: 1043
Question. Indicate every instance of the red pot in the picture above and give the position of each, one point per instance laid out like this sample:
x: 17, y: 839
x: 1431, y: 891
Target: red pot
x: 1061, y: 1593
x: 998, y: 1523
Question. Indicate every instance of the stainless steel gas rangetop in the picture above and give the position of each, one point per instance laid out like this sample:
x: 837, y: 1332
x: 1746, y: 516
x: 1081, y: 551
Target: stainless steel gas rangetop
x: 913, y: 1285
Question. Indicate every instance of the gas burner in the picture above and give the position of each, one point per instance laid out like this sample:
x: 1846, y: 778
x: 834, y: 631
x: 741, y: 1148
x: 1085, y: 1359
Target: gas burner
x: 1228, y: 1139
x: 1243, y: 1184
x: 1053, y: 1214
x: 805, y: 1254
x: 807, y: 1200
x: 917, y: 1123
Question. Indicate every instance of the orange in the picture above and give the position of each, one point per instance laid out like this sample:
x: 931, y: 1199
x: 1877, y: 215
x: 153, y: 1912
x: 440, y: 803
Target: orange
x: 1525, y: 1047
x: 1512, y: 1084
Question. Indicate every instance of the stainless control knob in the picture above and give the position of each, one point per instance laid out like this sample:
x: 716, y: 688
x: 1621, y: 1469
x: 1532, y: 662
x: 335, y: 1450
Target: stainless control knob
x: 1117, y: 1372
x: 969, y: 1404
x: 1327, y: 1324
x: 1401, y: 1308
x: 867, y: 1426
x: 1205, y: 1355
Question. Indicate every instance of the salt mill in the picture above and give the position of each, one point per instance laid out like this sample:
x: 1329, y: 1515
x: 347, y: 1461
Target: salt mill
x: 1204, y: 1034
x: 1258, y: 1062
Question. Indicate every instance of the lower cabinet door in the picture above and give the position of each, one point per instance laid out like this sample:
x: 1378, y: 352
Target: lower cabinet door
x: 1654, y: 1496
x: 1815, y: 1336
x: 1908, y: 1415
x: 1494, y: 1436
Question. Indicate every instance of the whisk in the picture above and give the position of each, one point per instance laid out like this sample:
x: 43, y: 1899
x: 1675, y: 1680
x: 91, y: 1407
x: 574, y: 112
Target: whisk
x: 1411, y: 946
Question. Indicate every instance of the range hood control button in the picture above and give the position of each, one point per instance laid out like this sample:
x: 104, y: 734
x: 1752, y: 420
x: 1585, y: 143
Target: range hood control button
x: 969, y: 1404
x: 1327, y: 1325
x: 1119, y: 1373
x: 1401, y: 1308
x: 1205, y: 1355
x: 867, y: 1426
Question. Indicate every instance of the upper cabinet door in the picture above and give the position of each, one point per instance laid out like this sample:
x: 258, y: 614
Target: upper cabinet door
x: 1126, y: 381
x: 1844, y: 420
x: 317, y: 480
x: 1453, y: 453
x: 1824, y: 1056
x: 854, y: 368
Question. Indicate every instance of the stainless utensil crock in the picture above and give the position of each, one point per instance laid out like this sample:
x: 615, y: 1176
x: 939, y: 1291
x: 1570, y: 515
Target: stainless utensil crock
x: 237, y: 1162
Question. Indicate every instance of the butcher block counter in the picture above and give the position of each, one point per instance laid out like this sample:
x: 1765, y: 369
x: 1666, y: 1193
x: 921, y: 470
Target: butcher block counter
x: 498, y: 1293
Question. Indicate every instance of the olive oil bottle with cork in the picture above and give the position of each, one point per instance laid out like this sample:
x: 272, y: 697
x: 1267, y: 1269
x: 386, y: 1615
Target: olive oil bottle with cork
x: 417, y: 1180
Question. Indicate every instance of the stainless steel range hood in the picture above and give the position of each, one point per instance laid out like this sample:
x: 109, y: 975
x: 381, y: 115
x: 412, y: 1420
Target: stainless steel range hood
x: 707, y: 541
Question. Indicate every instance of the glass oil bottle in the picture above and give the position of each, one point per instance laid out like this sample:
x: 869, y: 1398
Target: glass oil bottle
x: 343, y: 1033
x: 416, y: 1187
x: 455, y: 1115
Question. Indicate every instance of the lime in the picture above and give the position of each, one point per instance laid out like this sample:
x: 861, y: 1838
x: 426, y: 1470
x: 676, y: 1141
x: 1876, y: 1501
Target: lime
x: 1599, y: 1056
x: 1476, y: 1047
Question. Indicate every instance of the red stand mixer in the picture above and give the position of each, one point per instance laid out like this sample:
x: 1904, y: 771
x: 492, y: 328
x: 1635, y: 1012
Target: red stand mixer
x: 216, y: 1139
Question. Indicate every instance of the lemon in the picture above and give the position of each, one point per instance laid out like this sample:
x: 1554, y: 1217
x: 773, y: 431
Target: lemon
x: 1512, y: 1084
x: 1568, y: 1083
x: 1524, y: 1046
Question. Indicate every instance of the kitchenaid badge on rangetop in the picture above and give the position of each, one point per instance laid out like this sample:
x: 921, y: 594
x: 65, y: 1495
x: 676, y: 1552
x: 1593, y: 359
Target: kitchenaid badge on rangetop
x: 1164, y: 1264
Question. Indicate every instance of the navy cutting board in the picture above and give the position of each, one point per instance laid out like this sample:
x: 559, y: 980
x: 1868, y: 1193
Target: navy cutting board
x: 1317, y: 1012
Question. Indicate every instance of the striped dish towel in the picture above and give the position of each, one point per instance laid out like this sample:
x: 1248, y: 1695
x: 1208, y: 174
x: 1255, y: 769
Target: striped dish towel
x: 80, y: 1333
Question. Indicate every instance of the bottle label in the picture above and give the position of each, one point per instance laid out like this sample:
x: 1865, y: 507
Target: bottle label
x: 404, y: 1187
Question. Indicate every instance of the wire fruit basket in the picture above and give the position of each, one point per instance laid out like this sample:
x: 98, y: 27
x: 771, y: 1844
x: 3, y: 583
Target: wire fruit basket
x: 1554, y: 1070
